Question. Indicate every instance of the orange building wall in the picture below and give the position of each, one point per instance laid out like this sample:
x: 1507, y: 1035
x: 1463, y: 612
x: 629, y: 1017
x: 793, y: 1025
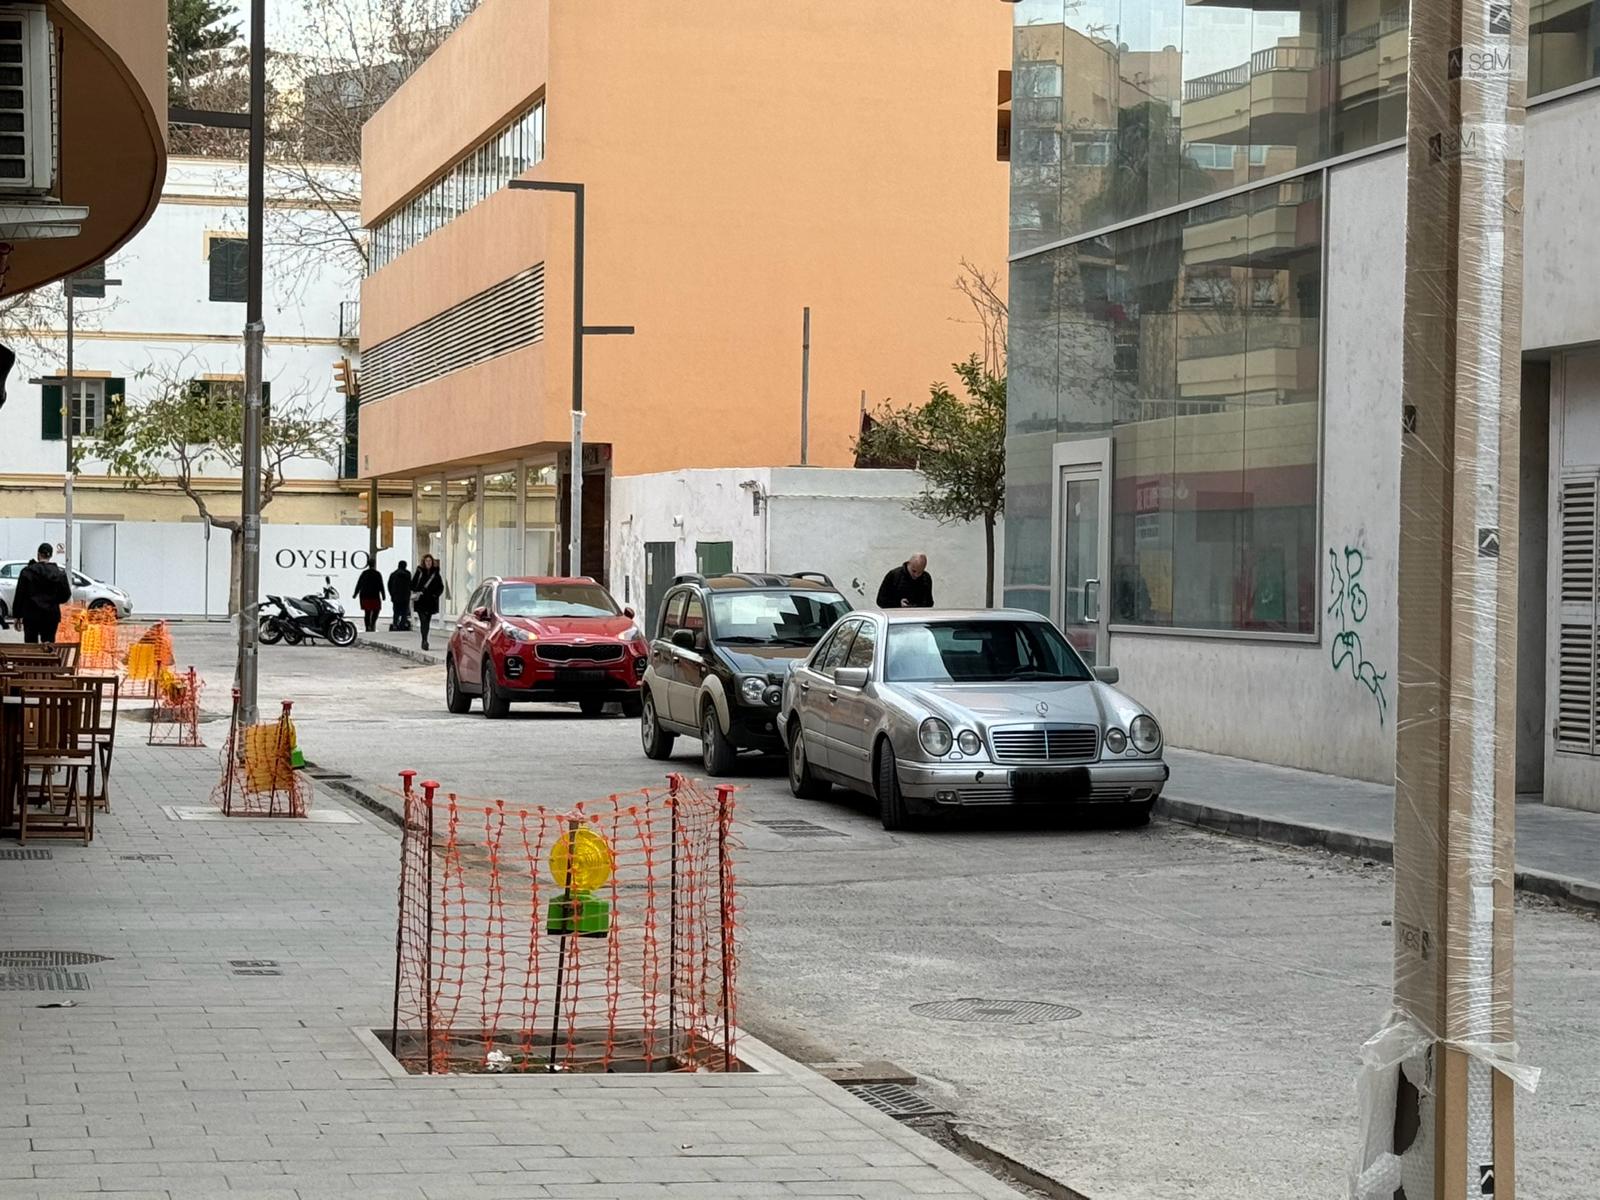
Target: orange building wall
x: 743, y: 160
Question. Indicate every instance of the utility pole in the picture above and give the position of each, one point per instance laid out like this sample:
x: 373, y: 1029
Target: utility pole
x: 1439, y: 1098
x: 805, y: 387
x: 254, y: 338
x: 69, y: 390
x: 579, y: 332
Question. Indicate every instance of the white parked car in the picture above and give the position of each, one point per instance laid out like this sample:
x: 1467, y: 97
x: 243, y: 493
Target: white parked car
x: 930, y: 710
x: 90, y: 593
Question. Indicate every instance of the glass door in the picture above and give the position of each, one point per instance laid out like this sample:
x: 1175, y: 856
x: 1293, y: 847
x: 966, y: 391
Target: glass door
x: 1082, y: 546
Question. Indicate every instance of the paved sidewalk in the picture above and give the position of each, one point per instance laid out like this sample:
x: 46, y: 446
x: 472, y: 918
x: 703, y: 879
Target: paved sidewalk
x: 409, y: 645
x: 1558, y: 849
x: 177, y: 1076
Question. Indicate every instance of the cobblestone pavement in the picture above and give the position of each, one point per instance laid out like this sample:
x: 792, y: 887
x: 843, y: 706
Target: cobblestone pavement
x: 178, y: 1075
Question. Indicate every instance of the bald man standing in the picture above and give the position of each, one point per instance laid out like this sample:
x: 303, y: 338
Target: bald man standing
x: 907, y: 586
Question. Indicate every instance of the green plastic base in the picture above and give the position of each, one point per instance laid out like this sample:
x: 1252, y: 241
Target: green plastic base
x: 581, y: 914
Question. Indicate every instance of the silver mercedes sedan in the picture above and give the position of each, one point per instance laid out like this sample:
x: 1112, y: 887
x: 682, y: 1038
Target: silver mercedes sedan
x: 933, y: 710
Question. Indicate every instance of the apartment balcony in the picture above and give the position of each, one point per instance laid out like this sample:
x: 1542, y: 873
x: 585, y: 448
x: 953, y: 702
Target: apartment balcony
x: 1264, y: 227
x: 1265, y: 99
x: 1372, y: 60
x: 350, y: 322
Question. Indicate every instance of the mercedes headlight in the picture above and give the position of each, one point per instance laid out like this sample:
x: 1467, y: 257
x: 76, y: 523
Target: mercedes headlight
x: 752, y: 689
x: 969, y: 742
x: 1145, y: 734
x: 935, y: 737
x: 1116, y: 741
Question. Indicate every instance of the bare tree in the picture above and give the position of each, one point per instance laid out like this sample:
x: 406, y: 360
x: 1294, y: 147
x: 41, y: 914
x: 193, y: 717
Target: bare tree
x: 983, y: 290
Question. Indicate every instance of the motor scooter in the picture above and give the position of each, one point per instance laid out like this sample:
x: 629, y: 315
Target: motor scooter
x: 283, y: 618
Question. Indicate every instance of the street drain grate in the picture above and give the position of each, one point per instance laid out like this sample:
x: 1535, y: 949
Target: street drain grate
x: 800, y: 829
x: 254, y: 966
x: 257, y: 971
x: 997, y: 1012
x: 145, y: 857
x: 36, y: 959
x: 43, y: 981
x: 899, y: 1101
x: 12, y: 854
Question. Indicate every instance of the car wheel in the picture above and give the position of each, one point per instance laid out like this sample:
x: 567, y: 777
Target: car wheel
x: 1135, y: 816
x: 343, y: 633
x: 100, y: 603
x: 592, y: 706
x: 270, y: 634
x: 632, y: 706
x: 5, y: 614
x: 802, y: 781
x: 716, y: 751
x: 892, y: 809
x: 455, y: 699
x: 657, y: 741
x: 495, y: 705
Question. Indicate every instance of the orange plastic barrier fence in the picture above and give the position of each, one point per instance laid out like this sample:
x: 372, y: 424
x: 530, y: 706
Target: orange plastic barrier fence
x: 259, y: 778
x: 175, y: 716
x: 597, y: 939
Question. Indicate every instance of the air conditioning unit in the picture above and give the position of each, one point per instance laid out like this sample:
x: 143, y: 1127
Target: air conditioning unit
x: 27, y: 100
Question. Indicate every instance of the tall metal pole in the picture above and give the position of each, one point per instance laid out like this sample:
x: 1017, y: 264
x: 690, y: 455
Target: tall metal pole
x: 576, y: 515
x: 69, y: 388
x: 805, y: 388
x: 254, y: 336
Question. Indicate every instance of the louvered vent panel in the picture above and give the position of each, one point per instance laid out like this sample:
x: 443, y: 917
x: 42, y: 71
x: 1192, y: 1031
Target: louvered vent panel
x: 1578, y: 541
x: 1575, y: 689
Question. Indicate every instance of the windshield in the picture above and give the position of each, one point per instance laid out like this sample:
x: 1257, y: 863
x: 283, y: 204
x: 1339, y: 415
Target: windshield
x: 981, y: 651
x: 776, y: 618
x: 556, y: 600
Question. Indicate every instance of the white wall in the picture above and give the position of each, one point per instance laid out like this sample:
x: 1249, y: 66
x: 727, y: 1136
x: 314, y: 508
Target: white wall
x: 1561, y: 304
x: 852, y: 525
x: 162, y: 319
x: 169, y: 569
x: 1285, y: 702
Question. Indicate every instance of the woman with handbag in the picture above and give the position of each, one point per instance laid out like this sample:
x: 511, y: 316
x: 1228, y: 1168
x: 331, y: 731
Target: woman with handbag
x: 427, y: 586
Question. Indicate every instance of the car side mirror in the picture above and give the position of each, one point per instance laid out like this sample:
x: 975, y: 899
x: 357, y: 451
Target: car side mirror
x: 1108, y: 674
x: 854, y: 678
x: 481, y: 613
x: 629, y: 613
x: 683, y: 639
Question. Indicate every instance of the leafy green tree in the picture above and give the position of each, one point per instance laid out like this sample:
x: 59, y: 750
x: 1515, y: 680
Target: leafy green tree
x: 958, y: 444
x: 197, y: 33
x: 186, y: 432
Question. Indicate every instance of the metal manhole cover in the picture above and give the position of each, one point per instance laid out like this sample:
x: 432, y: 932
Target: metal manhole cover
x: 800, y: 829
x: 998, y: 1012
x: 14, y: 854
x: 898, y: 1101
x: 49, y: 958
x: 44, y: 981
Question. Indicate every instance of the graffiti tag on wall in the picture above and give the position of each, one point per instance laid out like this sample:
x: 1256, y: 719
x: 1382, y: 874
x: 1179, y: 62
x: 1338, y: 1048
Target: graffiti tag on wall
x: 1349, y: 610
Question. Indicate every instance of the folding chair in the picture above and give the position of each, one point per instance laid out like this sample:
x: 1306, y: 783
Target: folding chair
x: 56, y: 742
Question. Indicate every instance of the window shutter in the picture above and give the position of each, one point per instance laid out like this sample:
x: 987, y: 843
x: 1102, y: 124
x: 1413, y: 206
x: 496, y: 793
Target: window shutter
x: 116, y: 394
x: 50, y: 399
x: 1576, y: 638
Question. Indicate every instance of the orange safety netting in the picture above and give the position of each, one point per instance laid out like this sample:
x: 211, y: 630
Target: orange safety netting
x: 175, y: 716
x: 259, y: 775
x: 597, y: 939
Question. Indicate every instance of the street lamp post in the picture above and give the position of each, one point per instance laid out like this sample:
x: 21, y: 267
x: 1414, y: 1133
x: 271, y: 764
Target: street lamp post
x: 579, y: 332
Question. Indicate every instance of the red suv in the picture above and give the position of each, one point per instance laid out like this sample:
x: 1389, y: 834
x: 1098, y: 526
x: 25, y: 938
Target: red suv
x: 544, y: 639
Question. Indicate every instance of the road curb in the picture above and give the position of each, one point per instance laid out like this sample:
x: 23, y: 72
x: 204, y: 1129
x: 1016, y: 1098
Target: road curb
x: 1254, y: 828
x: 425, y: 657
x: 365, y: 799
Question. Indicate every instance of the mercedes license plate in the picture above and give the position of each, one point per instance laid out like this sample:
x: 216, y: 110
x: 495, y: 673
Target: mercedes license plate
x: 1061, y: 784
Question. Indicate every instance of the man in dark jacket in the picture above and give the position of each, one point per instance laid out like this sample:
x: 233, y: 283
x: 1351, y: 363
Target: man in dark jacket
x: 42, y: 588
x: 907, y: 586
x: 400, y: 597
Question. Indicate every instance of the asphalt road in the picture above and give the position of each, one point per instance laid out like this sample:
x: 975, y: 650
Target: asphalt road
x: 1222, y: 989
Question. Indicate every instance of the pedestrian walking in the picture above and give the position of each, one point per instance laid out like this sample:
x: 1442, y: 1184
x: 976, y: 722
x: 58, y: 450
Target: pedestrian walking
x: 400, y: 598
x: 42, y: 588
x: 907, y: 586
x: 369, y: 591
x: 426, y: 587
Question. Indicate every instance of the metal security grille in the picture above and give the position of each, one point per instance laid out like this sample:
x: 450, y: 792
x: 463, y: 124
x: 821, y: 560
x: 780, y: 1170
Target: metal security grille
x: 1054, y: 743
x: 498, y: 320
x: 1576, y: 636
x: 43, y: 981
x: 899, y: 1101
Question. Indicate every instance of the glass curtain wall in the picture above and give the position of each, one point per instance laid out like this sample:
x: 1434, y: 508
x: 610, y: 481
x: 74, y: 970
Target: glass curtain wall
x: 429, y: 520
x: 502, y: 524
x: 487, y: 523
x: 539, y: 522
x: 462, y: 543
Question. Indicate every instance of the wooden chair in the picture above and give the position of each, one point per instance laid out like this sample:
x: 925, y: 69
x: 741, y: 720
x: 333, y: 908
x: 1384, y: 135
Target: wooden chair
x: 57, y: 745
x: 103, y: 735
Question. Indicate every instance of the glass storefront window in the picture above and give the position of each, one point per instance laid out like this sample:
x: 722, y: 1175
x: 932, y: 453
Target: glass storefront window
x: 539, y: 520
x: 462, y: 561
x: 429, y: 521
x: 502, y: 546
x: 1192, y: 341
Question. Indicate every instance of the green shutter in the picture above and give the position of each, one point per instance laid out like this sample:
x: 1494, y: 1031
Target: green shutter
x: 50, y: 412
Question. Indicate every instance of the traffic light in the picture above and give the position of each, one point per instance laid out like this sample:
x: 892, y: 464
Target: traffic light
x: 365, y: 506
x: 344, y: 378
x: 386, y: 529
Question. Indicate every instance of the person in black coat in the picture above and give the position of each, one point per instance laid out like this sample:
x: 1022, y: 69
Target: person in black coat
x: 427, y: 585
x: 42, y: 588
x: 907, y: 586
x: 369, y: 591
x: 400, y: 597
